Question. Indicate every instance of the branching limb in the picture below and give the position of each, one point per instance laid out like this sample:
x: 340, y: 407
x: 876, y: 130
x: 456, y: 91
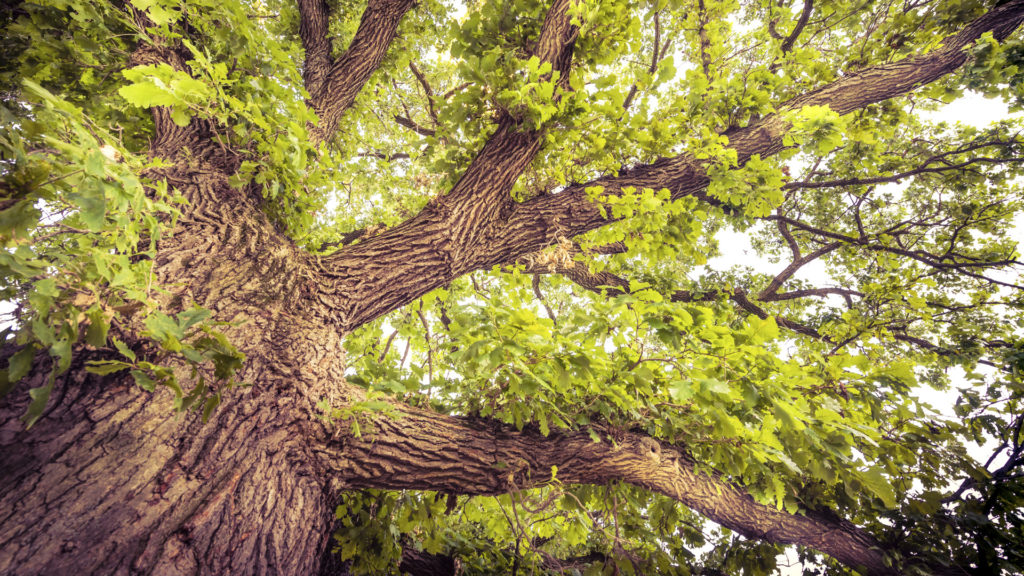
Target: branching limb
x: 570, y: 212
x: 805, y: 16
x: 476, y: 226
x: 333, y: 86
x: 420, y: 450
x: 488, y: 180
x: 788, y: 237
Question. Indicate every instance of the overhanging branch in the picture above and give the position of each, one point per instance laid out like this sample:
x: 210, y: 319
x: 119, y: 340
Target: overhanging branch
x: 420, y: 450
x: 570, y: 212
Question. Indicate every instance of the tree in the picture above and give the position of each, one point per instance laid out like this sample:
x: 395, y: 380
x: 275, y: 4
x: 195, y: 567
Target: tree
x: 435, y: 284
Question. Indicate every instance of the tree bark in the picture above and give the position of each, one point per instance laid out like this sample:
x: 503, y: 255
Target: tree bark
x: 113, y: 481
x: 420, y: 450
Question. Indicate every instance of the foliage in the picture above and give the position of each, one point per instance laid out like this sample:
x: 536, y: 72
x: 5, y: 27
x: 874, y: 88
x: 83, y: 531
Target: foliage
x: 824, y: 393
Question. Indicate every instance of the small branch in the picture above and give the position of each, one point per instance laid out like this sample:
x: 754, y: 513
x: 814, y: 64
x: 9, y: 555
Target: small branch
x: 923, y: 169
x: 384, y: 156
x: 412, y: 125
x: 655, y: 59
x: 810, y: 292
x: 787, y: 45
x: 456, y: 90
x: 430, y: 348
x: 705, y: 43
x: 426, y: 90
x: 540, y: 297
x: 387, y: 346
x: 788, y: 236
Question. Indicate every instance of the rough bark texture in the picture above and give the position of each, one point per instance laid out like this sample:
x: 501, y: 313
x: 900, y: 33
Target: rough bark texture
x: 112, y: 481
x: 334, y: 84
x: 417, y: 450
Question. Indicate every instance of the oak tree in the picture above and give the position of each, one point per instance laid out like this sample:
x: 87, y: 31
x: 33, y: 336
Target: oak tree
x: 331, y: 286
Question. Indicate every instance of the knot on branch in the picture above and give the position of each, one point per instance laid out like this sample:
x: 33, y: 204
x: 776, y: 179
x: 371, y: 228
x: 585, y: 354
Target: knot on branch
x: 516, y: 475
x: 648, y: 448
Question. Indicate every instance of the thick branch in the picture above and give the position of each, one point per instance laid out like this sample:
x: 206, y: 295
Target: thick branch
x: 421, y: 450
x: 313, y: 28
x: 487, y: 183
x: 333, y: 90
x: 475, y: 226
x: 570, y: 212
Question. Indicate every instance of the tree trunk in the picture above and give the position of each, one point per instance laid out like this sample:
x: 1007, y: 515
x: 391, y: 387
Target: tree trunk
x: 113, y: 481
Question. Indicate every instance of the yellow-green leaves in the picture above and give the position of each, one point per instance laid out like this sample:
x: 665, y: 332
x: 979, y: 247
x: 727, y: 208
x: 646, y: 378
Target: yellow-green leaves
x: 161, y: 12
x: 161, y: 85
x: 756, y: 186
x: 816, y: 126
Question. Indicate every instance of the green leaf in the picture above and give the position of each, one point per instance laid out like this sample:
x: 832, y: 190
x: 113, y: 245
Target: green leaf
x: 104, y: 367
x: 96, y: 333
x: 790, y: 417
x: 142, y: 380
x: 92, y: 203
x: 95, y: 164
x: 40, y: 397
x: 210, y: 405
x: 146, y: 95
x: 879, y: 486
x: 124, y: 350
x: 20, y: 363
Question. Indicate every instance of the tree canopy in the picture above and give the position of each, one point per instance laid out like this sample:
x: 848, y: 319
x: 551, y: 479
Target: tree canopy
x: 473, y: 240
